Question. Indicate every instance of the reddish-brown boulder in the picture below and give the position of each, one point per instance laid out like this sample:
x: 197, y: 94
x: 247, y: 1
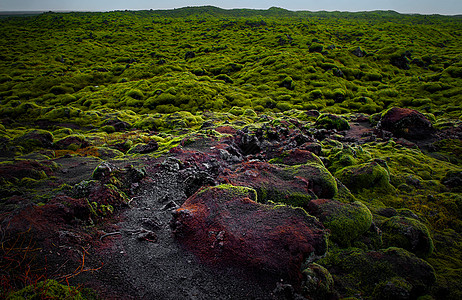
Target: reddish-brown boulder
x: 406, y: 123
x: 225, y: 225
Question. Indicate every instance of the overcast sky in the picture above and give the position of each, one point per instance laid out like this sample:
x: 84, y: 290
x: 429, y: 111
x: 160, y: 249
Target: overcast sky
x: 447, y: 7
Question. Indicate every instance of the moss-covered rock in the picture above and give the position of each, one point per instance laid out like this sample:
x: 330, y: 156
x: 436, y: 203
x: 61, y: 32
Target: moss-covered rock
x: 370, y: 176
x: 346, y: 221
x: 222, y: 224
x: 329, y: 121
x: 358, y: 272
x: 35, y: 139
x: 317, y: 283
x: 407, y: 233
x: 407, y: 123
x: 294, y: 185
x: 50, y: 289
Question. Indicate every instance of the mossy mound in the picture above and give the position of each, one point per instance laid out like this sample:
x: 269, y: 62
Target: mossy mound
x: 317, y: 283
x: 409, y: 234
x: 346, y: 221
x: 329, y: 121
x: 367, y: 273
x: 293, y: 185
x: 370, y: 176
x: 51, y: 289
x: 35, y: 139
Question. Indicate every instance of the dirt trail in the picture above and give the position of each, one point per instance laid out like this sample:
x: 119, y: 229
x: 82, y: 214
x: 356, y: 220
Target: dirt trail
x: 142, y: 268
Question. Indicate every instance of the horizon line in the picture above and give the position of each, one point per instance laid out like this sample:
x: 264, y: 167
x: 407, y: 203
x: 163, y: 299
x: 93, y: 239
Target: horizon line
x: 3, y: 12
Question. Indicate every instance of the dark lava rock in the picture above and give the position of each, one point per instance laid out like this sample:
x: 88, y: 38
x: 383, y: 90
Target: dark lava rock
x: 225, y: 225
x: 406, y: 123
x: 189, y: 54
x: 346, y: 221
x: 357, y: 271
x: 315, y: 147
x: 118, y: 124
x: 453, y: 180
x: 71, y: 143
x: 103, y: 170
x: 401, y: 61
x: 284, y: 291
x: 197, y: 180
x: 249, y: 144
x: 359, y: 52
x: 409, y: 234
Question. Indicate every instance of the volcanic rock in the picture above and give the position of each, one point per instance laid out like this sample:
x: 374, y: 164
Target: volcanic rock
x: 406, y: 123
x: 225, y: 225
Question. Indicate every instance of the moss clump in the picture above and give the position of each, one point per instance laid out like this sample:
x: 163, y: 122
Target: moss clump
x: 371, y: 176
x: 35, y: 139
x: 409, y: 234
x: 135, y: 94
x: 317, y: 282
x: 60, y: 89
x: 358, y: 272
x: 319, y: 178
x: 51, y: 289
x: 329, y: 121
x: 235, y: 191
x: 346, y: 221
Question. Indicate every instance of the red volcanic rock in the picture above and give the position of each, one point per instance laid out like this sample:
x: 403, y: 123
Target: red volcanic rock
x: 224, y: 224
x: 226, y: 130
x: 407, y: 123
x: 48, y: 222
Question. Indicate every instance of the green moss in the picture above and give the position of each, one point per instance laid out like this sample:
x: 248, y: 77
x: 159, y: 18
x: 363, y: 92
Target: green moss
x: 237, y: 111
x: 346, y: 221
x: 369, y: 176
x: 108, y: 129
x: 135, y: 94
x: 235, y: 191
x: 329, y: 121
x: 49, y: 289
x: 409, y: 234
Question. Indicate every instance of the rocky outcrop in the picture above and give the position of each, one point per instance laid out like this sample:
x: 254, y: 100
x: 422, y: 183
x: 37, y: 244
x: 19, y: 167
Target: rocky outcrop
x: 225, y: 225
x: 407, y: 123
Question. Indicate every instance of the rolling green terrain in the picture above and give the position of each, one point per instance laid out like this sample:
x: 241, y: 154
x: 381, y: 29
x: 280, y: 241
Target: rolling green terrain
x: 108, y: 86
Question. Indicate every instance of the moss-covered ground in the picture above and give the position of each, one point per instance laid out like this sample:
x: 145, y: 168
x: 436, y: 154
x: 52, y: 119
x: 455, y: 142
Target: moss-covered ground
x: 82, y: 88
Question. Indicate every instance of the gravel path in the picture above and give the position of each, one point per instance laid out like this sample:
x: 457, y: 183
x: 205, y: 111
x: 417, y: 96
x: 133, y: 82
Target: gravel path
x: 146, y: 262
